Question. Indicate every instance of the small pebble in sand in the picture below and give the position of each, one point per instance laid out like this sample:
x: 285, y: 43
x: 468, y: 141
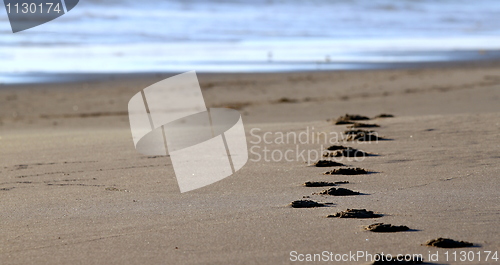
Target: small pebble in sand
x: 347, y: 171
x: 355, y: 213
x: 306, y: 204
x: 447, y: 243
x: 381, y: 227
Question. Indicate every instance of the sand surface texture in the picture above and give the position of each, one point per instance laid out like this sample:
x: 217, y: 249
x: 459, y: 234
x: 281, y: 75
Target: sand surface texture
x: 75, y: 191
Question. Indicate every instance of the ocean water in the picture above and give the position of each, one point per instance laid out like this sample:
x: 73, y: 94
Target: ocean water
x: 124, y: 36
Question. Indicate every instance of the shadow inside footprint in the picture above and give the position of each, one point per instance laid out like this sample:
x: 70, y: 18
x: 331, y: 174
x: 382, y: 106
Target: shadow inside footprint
x: 386, y: 228
x: 319, y: 184
x: 363, y: 125
x: 307, y: 204
x: 365, y: 137
x: 327, y: 163
x: 347, y: 171
x: 338, y: 192
x: 384, y: 115
x: 324, y: 183
x: 348, y: 119
x: 349, y: 132
x: 347, y: 152
x: 355, y: 213
x: 336, y: 147
x: 343, y: 122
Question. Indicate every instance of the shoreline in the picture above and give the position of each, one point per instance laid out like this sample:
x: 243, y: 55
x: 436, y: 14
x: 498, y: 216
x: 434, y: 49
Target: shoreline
x: 479, y: 60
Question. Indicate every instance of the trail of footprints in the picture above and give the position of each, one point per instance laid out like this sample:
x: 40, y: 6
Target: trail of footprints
x: 354, y: 134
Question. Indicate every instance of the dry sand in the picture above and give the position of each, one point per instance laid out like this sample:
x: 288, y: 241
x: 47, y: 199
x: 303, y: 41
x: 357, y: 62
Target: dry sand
x: 75, y: 191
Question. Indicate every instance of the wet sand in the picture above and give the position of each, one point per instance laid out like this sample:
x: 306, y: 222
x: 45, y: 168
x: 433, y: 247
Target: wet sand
x: 75, y: 191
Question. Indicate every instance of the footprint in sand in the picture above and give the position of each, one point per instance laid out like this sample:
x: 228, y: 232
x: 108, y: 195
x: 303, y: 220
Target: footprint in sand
x: 347, y: 171
x: 338, y: 192
x: 387, y: 228
x: 364, y: 137
x: 336, y: 147
x: 355, y: 213
x: 323, y: 183
x: 307, y: 204
x: 343, y: 122
x: 346, y: 152
x: 348, y: 132
x: 384, y: 115
x: 327, y: 163
x: 447, y: 243
x: 348, y: 119
x: 363, y: 125
x: 319, y: 184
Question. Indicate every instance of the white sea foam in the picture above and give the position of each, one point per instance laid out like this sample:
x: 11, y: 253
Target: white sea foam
x: 138, y: 36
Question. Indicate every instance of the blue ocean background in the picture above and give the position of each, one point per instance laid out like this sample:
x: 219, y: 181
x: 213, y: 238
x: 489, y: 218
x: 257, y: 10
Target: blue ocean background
x: 124, y: 36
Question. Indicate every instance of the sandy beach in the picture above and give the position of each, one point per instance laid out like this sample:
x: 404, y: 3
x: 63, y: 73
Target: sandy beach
x: 75, y: 191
